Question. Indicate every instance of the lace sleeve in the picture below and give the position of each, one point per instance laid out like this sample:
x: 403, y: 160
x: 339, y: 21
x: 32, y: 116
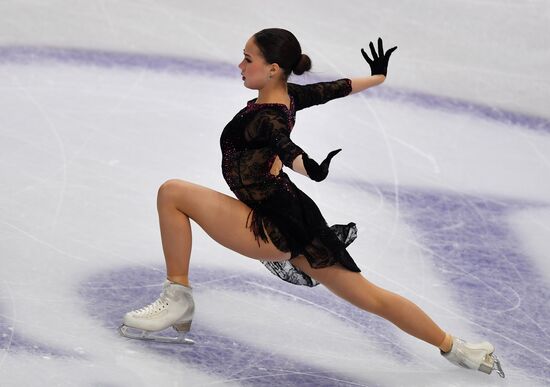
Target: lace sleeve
x: 318, y: 93
x: 276, y: 125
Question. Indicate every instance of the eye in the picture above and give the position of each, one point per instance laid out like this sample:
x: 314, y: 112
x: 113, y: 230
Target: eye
x: 248, y: 60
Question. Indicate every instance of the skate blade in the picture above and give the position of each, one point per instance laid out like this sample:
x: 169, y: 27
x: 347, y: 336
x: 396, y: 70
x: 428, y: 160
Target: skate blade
x: 139, y: 334
x: 491, y: 363
x: 497, y: 367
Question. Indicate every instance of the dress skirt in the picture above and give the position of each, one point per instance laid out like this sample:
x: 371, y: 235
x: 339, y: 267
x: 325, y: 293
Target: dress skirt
x: 295, y: 224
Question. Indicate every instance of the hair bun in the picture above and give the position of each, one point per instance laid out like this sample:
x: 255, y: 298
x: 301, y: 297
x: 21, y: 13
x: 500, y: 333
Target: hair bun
x: 303, y: 65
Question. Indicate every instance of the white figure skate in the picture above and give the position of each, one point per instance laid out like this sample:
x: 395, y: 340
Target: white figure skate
x: 175, y: 307
x: 474, y: 356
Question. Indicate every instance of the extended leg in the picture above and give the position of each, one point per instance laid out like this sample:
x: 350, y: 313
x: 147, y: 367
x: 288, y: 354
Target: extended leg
x: 355, y: 288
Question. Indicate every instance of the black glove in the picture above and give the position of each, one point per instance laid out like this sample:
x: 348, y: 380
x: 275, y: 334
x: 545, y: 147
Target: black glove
x: 379, y: 63
x: 315, y: 171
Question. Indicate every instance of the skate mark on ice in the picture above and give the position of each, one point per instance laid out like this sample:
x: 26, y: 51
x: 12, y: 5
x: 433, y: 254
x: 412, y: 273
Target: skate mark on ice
x: 12, y: 341
x: 343, y: 317
x: 22, y: 55
x: 227, y: 357
x: 478, y: 255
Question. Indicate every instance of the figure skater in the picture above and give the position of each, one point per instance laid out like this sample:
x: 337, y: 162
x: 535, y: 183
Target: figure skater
x: 272, y: 220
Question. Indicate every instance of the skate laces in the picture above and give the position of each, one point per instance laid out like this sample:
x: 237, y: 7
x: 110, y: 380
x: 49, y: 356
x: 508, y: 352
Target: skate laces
x: 153, y: 308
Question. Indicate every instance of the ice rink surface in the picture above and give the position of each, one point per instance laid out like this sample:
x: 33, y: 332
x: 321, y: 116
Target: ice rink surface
x: 445, y: 169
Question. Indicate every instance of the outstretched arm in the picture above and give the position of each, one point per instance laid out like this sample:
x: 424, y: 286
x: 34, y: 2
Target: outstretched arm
x: 322, y: 92
x: 378, y: 66
x: 360, y: 84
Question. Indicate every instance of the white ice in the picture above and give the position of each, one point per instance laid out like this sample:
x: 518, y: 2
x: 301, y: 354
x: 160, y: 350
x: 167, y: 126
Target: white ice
x: 84, y: 148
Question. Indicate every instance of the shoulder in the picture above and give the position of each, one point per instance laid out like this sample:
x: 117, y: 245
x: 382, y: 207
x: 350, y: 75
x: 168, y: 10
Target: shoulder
x: 292, y: 87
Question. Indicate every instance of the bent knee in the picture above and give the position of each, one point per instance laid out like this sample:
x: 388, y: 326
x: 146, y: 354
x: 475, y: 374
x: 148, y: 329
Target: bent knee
x: 172, y: 191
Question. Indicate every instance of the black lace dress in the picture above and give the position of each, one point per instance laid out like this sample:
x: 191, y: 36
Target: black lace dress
x: 250, y: 144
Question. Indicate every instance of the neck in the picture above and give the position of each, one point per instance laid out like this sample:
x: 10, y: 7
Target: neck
x: 273, y: 93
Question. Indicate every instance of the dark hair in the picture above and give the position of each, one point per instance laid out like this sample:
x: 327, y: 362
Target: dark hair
x: 281, y: 46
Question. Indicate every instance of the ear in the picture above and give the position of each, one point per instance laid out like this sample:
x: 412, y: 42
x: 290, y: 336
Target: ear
x: 274, y: 68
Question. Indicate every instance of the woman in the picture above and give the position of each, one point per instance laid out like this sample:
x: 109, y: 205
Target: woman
x: 272, y: 220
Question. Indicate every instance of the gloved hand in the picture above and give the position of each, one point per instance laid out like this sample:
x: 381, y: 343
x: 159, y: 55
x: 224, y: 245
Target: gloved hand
x: 379, y: 63
x: 315, y: 171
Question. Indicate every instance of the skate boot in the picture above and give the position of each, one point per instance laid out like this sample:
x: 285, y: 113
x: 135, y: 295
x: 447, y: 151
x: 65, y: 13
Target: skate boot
x: 174, y: 307
x: 474, y: 356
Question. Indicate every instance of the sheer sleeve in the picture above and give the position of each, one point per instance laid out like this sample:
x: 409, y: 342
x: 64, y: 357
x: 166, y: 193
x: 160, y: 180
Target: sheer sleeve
x: 284, y: 147
x: 274, y: 126
x: 318, y: 93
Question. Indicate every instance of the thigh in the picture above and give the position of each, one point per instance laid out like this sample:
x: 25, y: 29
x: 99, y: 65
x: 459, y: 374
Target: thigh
x: 349, y: 285
x: 327, y: 276
x: 223, y: 217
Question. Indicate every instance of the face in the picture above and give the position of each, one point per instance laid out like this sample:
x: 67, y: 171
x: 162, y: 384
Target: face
x: 254, y: 69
